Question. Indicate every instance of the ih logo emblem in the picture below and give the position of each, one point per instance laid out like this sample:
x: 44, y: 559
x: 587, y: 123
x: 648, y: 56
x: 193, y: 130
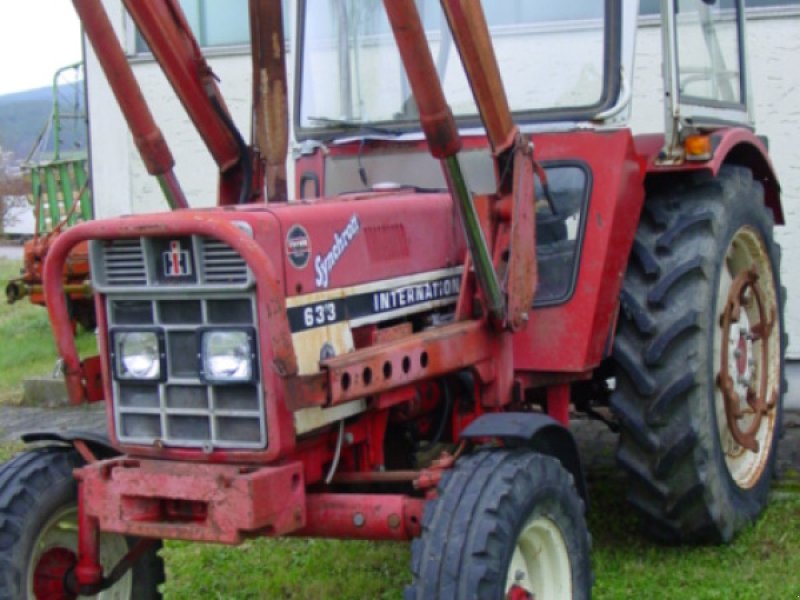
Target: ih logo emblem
x: 177, y: 262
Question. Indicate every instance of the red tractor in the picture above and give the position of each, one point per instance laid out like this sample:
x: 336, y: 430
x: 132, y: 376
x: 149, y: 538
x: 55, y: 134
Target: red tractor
x: 479, y: 246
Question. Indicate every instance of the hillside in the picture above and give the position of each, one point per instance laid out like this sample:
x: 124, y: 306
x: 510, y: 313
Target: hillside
x: 24, y: 114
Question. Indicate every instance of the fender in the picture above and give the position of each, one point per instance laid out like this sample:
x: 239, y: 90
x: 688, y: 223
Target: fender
x: 732, y: 145
x: 537, y: 431
x: 98, y: 443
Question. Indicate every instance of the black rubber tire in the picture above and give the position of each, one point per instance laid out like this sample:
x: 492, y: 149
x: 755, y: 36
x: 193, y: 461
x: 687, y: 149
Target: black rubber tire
x: 665, y: 377
x: 470, y: 530
x: 34, y: 486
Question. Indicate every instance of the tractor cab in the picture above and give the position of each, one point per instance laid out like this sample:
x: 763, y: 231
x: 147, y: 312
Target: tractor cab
x: 563, y: 66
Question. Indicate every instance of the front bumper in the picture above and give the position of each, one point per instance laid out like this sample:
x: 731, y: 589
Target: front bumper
x: 227, y: 504
x: 190, y: 501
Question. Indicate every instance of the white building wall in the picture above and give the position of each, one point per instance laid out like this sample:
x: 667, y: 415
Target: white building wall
x: 109, y: 140
x: 122, y: 186
x: 194, y: 167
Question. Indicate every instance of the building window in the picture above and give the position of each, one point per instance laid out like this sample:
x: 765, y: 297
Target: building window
x: 218, y: 23
x: 770, y: 3
x: 370, y: 15
x: 653, y: 7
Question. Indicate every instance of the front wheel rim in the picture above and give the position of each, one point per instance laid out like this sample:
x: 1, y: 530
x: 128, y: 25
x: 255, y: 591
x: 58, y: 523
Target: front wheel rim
x: 747, y: 358
x: 540, y: 562
x: 60, y: 535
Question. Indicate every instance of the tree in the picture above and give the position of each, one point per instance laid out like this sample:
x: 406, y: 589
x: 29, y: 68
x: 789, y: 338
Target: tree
x: 14, y: 188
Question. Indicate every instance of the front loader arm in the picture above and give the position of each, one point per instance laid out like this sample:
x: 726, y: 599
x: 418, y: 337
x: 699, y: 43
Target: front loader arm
x: 443, y: 140
x: 513, y: 152
x: 148, y: 138
x: 270, y: 93
x: 168, y: 35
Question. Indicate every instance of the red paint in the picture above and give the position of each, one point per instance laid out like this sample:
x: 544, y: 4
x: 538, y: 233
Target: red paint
x: 558, y: 400
x: 363, y: 516
x: 367, y: 259
x: 50, y: 572
x: 213, y: 503
x: 519, y: 593
x: 140, y: 498
x: 732, y: 145
x: 88, y: 572
x: 571, y: 337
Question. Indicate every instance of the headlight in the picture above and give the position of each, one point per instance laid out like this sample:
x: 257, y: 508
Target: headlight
x: 227, y: 356
x: 138, y: 355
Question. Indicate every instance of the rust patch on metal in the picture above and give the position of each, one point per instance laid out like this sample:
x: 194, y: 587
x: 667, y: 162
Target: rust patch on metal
x: 757, y: 400
x: 522, y: 266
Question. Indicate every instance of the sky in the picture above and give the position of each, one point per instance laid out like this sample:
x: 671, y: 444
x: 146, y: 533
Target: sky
x: 36, y: 38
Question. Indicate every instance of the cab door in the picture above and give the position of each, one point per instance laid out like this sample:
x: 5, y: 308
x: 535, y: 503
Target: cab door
x: 705, y: 66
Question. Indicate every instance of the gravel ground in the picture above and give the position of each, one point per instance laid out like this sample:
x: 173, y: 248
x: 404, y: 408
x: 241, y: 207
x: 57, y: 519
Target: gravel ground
x: 16, y: 420
x: 595, y: 440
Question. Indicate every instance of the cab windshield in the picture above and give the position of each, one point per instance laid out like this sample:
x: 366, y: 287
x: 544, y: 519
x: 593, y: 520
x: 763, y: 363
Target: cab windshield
x: 558, y: 60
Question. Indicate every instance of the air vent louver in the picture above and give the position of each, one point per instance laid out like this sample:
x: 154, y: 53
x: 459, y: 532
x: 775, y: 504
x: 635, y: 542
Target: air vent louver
x: 123, y: 262
x: 222, y: 264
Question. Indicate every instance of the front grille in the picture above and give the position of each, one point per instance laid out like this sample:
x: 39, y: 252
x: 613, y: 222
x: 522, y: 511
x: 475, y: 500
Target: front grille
x: 199, y: 261
x: 221, y: 263
x: 183, y: 410
x: 178, y: 287
x: 123, y: 263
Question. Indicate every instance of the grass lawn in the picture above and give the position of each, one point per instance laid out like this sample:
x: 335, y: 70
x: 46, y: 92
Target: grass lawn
x: 763, y: 562
x: 26, y: 343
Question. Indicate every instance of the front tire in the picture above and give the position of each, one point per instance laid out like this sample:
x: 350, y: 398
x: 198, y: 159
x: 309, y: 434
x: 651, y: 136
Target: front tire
x: 38, y: 532
x: 699, y: 356
x: 506, y: 524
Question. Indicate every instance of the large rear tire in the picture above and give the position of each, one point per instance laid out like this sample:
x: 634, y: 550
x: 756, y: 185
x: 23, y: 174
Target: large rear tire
x: 506, y: 524
x: 699, y: 356
x: 38, y: 532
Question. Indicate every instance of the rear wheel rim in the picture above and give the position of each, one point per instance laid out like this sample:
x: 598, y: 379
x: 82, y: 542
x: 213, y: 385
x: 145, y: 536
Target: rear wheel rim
x: 540, y: 562
x: 747, y: 358
x: 60, y: 534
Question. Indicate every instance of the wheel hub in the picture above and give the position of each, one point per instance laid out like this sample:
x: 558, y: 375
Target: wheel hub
x: 55, y: 554
x: 51, y: 572
x: 743, y: 396
x: 519, y: 593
